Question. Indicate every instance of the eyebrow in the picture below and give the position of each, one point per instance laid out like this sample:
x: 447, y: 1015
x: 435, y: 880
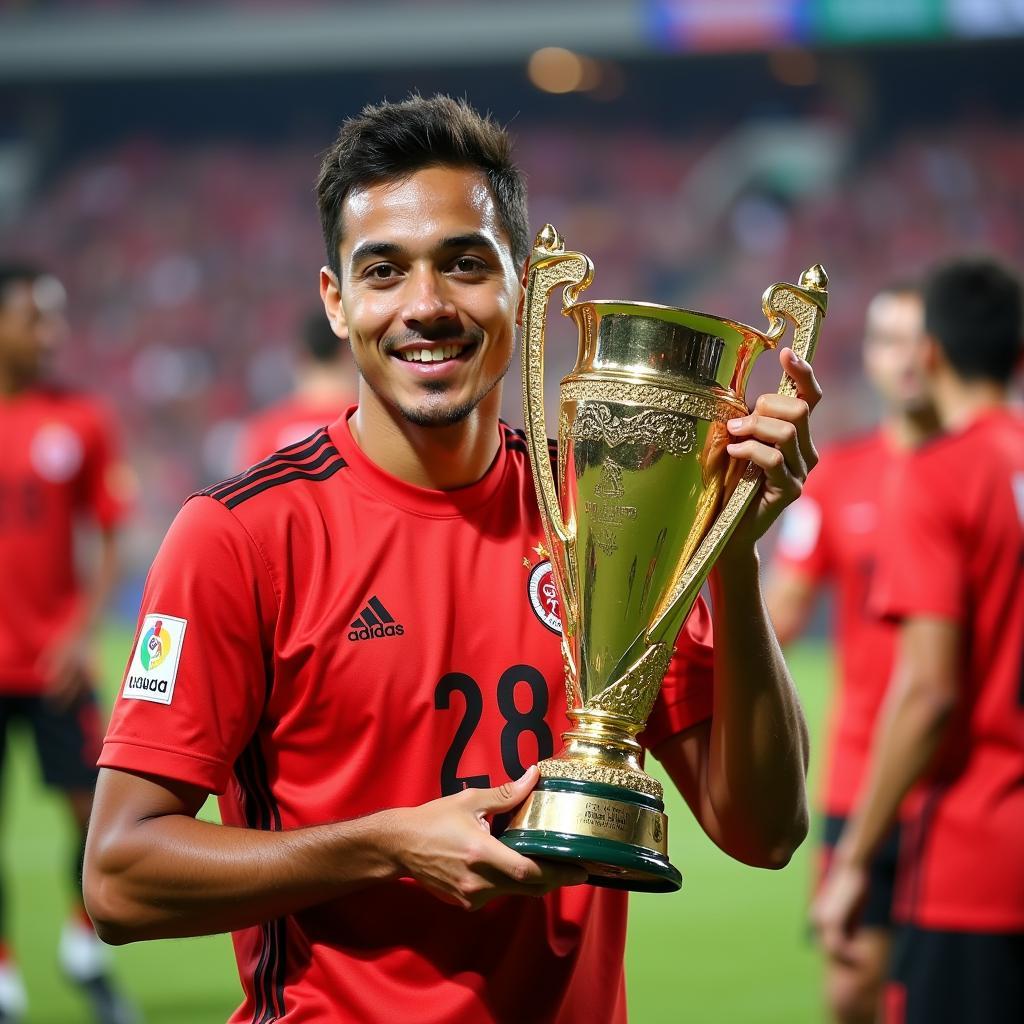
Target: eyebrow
x: 470, y: 240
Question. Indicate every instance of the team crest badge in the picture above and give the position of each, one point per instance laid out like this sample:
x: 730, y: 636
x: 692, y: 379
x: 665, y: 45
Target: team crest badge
x: 57, y: 452
x: 544, y: 596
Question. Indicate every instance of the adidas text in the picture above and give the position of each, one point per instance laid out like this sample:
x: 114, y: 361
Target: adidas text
x: 373, y: 632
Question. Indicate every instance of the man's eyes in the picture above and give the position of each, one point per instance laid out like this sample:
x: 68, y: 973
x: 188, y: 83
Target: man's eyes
x: 469, y: 265
x: 381, y: 272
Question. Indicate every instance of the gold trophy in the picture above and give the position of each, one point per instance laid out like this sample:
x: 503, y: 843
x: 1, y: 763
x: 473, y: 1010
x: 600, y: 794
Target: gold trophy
x: 649, y: 497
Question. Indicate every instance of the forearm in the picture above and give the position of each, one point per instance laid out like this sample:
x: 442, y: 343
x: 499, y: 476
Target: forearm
x: 758, y: 748
x: 173, y: 875
x: 101, y: 583
x: 910, y: 734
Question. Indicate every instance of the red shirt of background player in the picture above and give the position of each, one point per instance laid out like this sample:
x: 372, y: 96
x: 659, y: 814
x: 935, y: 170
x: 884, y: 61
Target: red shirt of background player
x: 354, y: 642
x: 831, y: 535
x: 945, y: 555
x: 283, y: 424
x: 59, y: 464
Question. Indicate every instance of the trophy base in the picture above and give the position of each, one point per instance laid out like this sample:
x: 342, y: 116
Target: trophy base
x: 617, y: 834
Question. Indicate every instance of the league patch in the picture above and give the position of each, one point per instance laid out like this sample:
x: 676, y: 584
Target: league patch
x: 154, y: 664
x: 544, y: 596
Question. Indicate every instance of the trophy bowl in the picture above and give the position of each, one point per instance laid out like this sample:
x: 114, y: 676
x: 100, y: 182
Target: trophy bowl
x: 647, y: 497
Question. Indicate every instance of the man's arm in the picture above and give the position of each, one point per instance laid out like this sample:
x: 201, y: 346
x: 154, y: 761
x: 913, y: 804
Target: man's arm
x: 61, y: 664
x: 743, y: 773
x: 153, y: 871
x: 789, y: 596
x: 921, y: 700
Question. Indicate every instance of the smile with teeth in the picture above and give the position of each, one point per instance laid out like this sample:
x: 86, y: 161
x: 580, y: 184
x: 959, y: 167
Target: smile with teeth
x: 431, y: 355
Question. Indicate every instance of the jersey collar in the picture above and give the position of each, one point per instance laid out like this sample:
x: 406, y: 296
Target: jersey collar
x: 421, y: 500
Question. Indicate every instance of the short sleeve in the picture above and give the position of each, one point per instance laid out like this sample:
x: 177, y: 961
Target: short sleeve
x: 921, y: 557
x: 803, y: 540
x: 108, y: 482
x: 196, y: 683
x: 687, y: 694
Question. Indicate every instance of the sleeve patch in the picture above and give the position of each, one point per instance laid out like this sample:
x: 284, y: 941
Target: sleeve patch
x: 154, y: 665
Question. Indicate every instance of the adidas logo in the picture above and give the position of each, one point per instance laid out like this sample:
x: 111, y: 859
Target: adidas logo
x: 374, y: 621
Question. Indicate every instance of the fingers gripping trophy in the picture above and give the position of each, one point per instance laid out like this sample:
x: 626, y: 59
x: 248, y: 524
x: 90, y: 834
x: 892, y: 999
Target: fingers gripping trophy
x: 647, y: 497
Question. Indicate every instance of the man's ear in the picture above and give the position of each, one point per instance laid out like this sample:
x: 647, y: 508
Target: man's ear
x: 522, y: 293
x: 330, y: 294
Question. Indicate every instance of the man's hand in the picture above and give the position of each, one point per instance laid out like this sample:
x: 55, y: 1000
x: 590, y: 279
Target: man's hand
x: 777, y: 437
x: 64, y: 668
x: 836, y: 910
x: 447, y: 846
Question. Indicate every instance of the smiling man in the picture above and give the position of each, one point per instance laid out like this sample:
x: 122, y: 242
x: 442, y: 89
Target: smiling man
x: 342, y: 643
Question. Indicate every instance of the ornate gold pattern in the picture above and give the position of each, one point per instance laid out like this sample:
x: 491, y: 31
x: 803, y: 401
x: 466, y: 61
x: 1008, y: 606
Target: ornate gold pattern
x: 697, y: 405
x: 633, y: 695
x: 595, y: 771
x: 670, y: 431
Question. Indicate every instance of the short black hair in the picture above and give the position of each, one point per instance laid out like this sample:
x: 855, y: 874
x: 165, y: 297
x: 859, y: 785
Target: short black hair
x: 391, y: 141
x: 17, y: 273
x: 319, y: 342
x: 974, y: 308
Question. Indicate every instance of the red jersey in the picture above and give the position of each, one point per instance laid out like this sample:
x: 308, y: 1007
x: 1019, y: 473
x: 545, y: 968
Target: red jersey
x: 60, y: 464
x: 831, y: 535
x: 282, y: 425
x: 955, y: 551
x: 319, y: 641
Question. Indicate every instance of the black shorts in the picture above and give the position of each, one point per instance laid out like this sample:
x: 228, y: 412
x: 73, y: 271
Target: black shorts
x: 877, y: 911
x: 955, y: 978
x: 67, y: 739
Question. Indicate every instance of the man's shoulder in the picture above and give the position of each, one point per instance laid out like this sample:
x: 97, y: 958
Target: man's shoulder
x: 281, y: 479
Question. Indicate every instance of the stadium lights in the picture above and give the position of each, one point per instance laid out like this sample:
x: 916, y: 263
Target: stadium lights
x: 557, y: 70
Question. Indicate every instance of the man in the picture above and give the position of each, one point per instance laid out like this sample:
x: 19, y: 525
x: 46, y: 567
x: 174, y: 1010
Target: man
x: 830, y: 537
x: 346, y: 650
x: 324, y: 386
x: 60, y: 466
x: 952, y: 574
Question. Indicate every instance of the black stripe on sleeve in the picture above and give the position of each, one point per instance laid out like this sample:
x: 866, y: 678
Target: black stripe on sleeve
x: 299, y: 474
x: 275, y: 464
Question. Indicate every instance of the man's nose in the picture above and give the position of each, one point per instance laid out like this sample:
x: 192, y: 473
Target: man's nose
x: 427, y: 299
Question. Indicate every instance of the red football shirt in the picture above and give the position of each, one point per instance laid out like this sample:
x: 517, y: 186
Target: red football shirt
x: 320, y: 640
x: 955, y: 551
x: 831, y: 535
x: 282, y: 425
x: 60, y: 464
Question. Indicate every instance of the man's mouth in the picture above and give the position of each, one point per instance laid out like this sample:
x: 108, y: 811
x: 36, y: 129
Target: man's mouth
x: 436, y: 353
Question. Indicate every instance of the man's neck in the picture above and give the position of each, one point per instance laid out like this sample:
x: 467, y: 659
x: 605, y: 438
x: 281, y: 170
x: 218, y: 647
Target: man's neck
x: 11, y: 385
x: 910, y: 429
x: 439, y: 458
x: 323, y: 385
x: 960, y: 402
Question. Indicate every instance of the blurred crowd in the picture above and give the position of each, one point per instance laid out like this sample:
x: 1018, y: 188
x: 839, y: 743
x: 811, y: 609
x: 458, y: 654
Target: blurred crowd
x: 189, y: 268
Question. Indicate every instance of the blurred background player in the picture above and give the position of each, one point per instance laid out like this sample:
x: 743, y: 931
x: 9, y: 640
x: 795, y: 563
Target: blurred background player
x: 325, y: 385
x: 60, y: 465
x: 829, y: 538
x: 951, y: 572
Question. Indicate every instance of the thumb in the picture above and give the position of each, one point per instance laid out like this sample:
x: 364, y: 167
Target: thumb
x: 508, y: 795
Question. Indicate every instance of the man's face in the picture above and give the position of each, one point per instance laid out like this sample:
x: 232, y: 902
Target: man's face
x: 428, y: 292
x: 31, y: 326
x: 896, y: 351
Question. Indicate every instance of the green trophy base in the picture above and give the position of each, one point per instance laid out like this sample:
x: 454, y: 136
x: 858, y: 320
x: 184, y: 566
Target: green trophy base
x: 619, y: 835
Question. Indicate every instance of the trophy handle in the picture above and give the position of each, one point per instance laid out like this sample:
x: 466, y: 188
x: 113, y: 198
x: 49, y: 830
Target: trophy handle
x: 550, y: 266
x: 804, y: 306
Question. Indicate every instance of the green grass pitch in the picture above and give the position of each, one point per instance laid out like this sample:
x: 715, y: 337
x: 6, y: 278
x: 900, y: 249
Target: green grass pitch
x: 731, y: 946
